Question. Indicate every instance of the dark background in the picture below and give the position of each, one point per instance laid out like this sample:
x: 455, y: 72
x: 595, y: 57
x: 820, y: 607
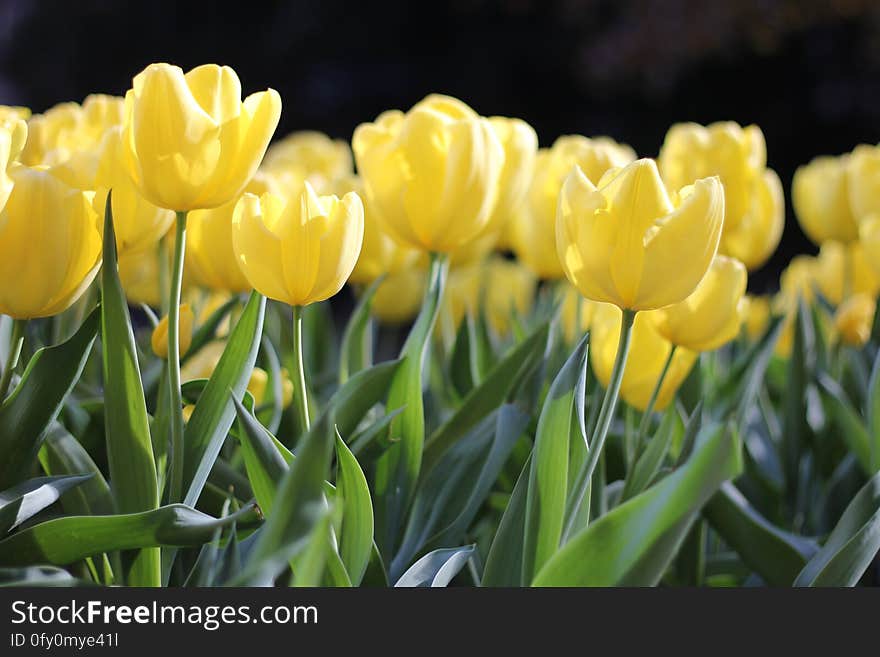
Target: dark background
x: 807, y: 72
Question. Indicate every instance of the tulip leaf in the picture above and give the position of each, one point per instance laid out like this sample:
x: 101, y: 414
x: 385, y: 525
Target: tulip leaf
x: 874, y: 414
x: 214, y: 413
x: 849, y: 423
x: 356, y: 531
x: 633, y: 544
x: 437, y: 568
x: 504, y: 562
x: 355, y: 352
x: 33, y: 405
x: 263, y: 460
x: 499, y: 384
x: 794, y: 404
x: 397, y: 470
x: 64, y: 540
x: 777, y: 556
x: 548, y: 480
x: 852, y: 545
x: 207, y: 331
x: 133, y: 478
x: 27, y: 499
x: 648, y: 464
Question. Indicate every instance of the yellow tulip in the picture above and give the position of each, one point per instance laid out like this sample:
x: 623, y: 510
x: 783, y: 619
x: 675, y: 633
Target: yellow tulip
x: 139, y: 276
x: 508, y: 290
x: 711, y: 316
x: 842, y: 270
x: 14, y: 113
x: 854, y: 318
x: 864, y: 181
x: 520, y: 144
x: 311, y: 156
x: 298, y: 250
x: 138, y: 224
x: 258, y: 386
x: 159, y: 339
x: 754, y: 239
x: 648, y: 353
x: 191, y: 143
x: 533, y: 230
x: 869, y: 237
x: 757, y: 316
x: 820, y: 194
x: 432, y: 173
x: 68, y: 129
x: 13, y: 134
x: 628, y: 243
x: 399, y: 297
x: 461, y: 297
x: 798, y: 280
x: 50, y: 247
x: 575, y: 313
x: 380, y: 253
x: 211, y: 258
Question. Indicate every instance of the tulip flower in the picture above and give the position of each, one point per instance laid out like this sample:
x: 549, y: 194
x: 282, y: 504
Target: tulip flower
x: 139, y: 277
x: 299, y: 251
x: 13, y: 134
x: 649, y: 354
x: 754, y: 211
x: 711, y: 316
x: 863, y: 175
x: 191, y: 143
x: 854, y: 318
x: 533, y: 233
x: 575, y: 312
x: 14, y: 113
x: 508, y: 292
x: 399, y: 296
x: 757, y: 316
x: 159, y: 338
x: 311, y: 156
x: 820, y: 194
x: 628, y: 243
x: 841, y: 270
x: 212, y: 258
x: 432, y: 173
x: 869, y: 238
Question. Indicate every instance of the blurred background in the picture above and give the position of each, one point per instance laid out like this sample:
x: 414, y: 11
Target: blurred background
x: 807, y: 72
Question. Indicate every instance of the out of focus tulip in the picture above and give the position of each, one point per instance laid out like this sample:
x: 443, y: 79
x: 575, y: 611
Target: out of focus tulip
x: 864, y: 181
x: 14, y: 113
x: 754, y: 239
x: 461, y: 297
x: 711, y: 316
x: 520, y: 144
x: 13, y: 134
x: 854, y: 318
x: 298, y: 250
x: 139, y: 276
x: 757, y: 316
x: 533, y: 231
x: 432, y: 173
x: 628, y: 243
x: 50, y: 247
x: 575, y: 313
x: 311, y: 156
x: 508, y: 291
x: 648, y: 353
x: 820, y: 194
x: 138, y: 224
x: 399, y: 297
x: 191, y: 143
x: 159, y: 339
x: 842, y: 270
x: 869, y: 237
x: 211, y: 258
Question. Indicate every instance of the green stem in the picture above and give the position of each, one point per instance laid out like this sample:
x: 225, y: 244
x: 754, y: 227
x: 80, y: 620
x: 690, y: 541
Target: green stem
x: 176, y: 401
x: 15, y: 343
x: 300, y: 393
x: 606, y: 415
x: 649, y: 409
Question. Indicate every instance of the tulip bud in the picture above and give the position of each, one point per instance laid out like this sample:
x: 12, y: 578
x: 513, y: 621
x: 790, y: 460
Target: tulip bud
x: 298, y: 250
x: 50, y: 247
x: 648, y: 353
x: 820, y: 194
x: 854, y: 318
x: 258, y: 386
x: 628, y: 243
x: 431, y: 173
x: 533, y: 231
x: 712, y: 314
x: 191, y: 143
x: 159, y: 339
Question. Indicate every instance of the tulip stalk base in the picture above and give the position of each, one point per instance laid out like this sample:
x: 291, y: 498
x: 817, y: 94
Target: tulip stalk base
x: 603, y: 424
x: 176, y: 475
x: 15, y: 343
x: 300, y: 392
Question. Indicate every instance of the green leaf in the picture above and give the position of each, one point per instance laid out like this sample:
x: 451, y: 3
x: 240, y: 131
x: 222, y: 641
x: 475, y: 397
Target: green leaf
x: 437, y: 568
x: 874, y: 414
x: 65, y: 540
x: 648, y: 463
x: 355, y: 352
x: 777, y: 556
x: 397, y: 470
x: 133, y: 476
x: 207, y: 331
x: 263, y: 460
x: 548, y: 480
x: 851, y: 546
x: 794, y: 404
x: 214, y: 413
x: 504, y: 562
x: 27, y: 412
x: 28, y: 498
x: 621, y: 547
x: 849, y: 423
x: 499, y: 384
x: 356, y: 531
